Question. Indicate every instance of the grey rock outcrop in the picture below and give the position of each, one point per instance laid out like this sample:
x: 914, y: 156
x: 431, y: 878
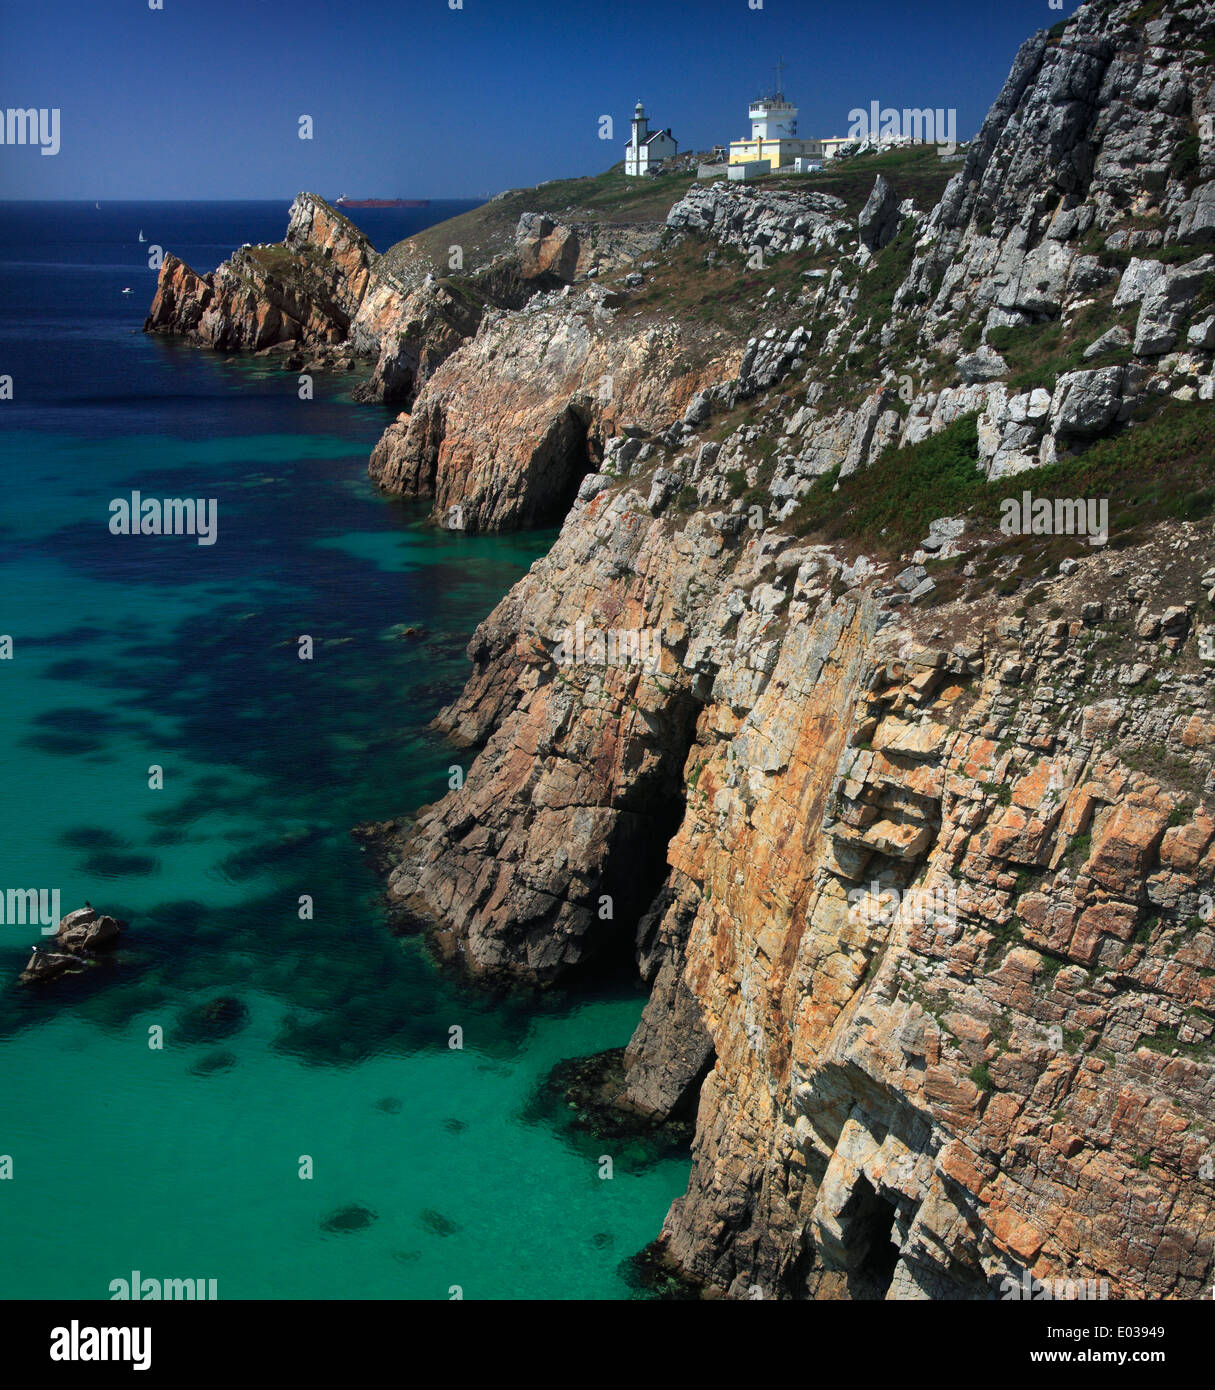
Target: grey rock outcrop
x: 1166, y: 305
x: 879, y: 219
x: 775, y: 221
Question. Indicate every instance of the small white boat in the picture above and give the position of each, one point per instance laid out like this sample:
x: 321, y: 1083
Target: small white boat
x: 128, y: 290
x: 141, y: 235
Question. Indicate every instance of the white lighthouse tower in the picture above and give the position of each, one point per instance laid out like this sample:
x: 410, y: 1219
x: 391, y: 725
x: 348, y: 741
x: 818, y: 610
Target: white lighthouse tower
x: 646, y: 150
x: 774, y: 138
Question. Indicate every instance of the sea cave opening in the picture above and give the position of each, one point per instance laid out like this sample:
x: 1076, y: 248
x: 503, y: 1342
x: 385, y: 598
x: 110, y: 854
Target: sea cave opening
x: 871, y: 1230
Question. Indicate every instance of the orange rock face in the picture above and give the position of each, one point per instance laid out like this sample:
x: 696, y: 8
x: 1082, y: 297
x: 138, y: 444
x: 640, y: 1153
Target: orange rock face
x: 505, y: 429
x: 951, y: 990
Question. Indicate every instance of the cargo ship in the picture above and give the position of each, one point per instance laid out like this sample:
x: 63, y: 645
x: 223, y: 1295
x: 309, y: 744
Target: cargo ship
x: 344, y: 202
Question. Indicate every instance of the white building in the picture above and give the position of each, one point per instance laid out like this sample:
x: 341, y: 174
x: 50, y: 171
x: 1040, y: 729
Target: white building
x: 834, y: 143
x: 646, y: 149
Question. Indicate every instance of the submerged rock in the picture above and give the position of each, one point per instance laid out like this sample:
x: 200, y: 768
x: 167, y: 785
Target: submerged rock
x: 213, y: 1062
x: 210, y: 1021
x: 347, y: 1219
x: 437, y: 1223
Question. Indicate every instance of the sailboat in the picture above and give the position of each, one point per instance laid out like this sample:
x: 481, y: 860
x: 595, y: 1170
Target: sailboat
x: 141, y: 235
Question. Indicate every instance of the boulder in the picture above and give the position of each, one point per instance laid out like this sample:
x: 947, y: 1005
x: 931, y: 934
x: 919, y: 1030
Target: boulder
x: 82, y: 934
x: 1112, y: 340
x: 545, y: 247
x: 984, y: 364
x: 1166, y: 304
x: 1030, y: 407
x: 46, y: 965
x: 1137, y: 279
x: 879, y: 219
x: 1202, y: 334
x: 85, y: 931
x: 1085, y: 403
x: 1196, y: 220
x: 699, y: 410
x: 941, y: 532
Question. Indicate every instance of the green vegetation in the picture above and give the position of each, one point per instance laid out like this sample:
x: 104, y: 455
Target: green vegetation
x: 1079, y: 850
x: 915, y: 172
x: 1143, y: 934
x: 1039, y: 353
x: 1179, y: 773
x: 894, y: 499
x: 1027, y: 879
x: 1145, y: 13
x: 710, y: 287
x: 877, y: 285
x: 608, y: 198
x: 981, y: 1076
x: 1167, y: 1040
x: 1158, y: 469
x: 1003, y: 937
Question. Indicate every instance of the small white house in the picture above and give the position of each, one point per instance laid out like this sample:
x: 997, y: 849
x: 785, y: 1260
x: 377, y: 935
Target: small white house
x: 647, y: 149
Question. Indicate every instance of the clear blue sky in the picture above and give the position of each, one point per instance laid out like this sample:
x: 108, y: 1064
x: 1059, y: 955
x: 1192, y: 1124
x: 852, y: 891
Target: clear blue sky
x: 411, y: 98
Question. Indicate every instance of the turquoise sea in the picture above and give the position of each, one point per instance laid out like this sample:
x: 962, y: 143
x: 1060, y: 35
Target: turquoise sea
x: 331, y: 1038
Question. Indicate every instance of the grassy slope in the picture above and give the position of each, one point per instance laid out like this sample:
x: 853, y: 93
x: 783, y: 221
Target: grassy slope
x: 612, y: 198
x: 1157, y: 469
x: 483, y: 232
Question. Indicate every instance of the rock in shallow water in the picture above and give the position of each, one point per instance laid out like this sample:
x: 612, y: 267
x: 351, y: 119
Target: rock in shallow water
x: 81, y: 936
x: 346, y: 1219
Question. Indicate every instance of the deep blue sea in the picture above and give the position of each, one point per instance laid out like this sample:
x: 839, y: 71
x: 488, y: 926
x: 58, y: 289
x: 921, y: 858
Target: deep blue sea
x: 330, y: 1052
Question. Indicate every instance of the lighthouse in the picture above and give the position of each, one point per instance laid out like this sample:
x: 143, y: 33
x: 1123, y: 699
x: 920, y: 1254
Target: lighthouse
x: 774, y: 139
x: 647, y: 149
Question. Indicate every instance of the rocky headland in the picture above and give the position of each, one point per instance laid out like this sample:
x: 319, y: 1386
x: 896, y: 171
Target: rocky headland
x: 910, y: 827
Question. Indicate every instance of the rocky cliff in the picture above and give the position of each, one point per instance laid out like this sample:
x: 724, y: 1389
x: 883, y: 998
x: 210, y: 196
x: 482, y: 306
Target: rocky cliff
x: 864, y: 701
x: 906, y: 817
x: 506, y: 429
x: 325, y: 287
